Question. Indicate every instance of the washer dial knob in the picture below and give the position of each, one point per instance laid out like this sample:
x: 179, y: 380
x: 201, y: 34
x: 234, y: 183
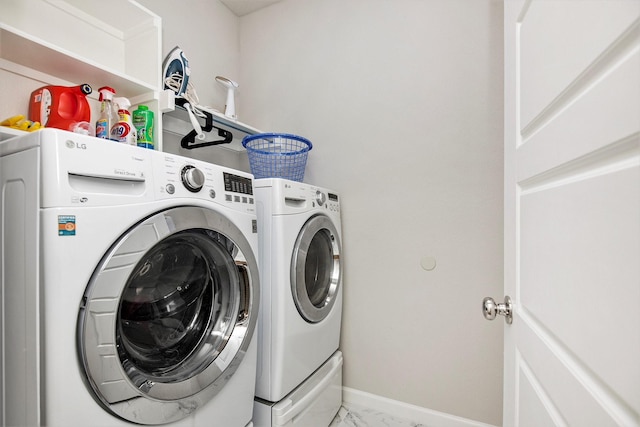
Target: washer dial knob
x: 320, y: 198
x: 192, y: 178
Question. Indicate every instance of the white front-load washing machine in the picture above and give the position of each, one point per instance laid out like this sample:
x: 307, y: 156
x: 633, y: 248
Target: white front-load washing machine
x: 299, y: 377
x: 130, y: 286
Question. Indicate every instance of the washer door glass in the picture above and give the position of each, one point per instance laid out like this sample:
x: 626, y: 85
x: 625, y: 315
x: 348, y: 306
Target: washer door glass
x: 168, y: 315
x: 315, y: 269
x: 181, y: 291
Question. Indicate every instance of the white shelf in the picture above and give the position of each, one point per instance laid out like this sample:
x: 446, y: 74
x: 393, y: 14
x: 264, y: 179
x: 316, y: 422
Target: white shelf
x: 23, y: 50
x: 121, y: 38
x: 120, y: 18
x: 177, y: 122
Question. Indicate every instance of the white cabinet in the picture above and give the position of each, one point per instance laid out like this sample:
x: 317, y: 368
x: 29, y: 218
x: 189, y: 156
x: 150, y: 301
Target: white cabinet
x: 116, y: 43
x: 70, y: 42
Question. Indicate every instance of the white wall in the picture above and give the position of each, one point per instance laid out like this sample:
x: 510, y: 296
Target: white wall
x: 403, y: 101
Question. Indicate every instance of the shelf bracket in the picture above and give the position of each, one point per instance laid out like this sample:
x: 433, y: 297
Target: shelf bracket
x: 189, y: 140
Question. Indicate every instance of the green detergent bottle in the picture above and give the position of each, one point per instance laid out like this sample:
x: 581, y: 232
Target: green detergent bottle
x: 143, y: 122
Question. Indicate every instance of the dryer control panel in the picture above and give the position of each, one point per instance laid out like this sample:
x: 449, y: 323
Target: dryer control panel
x: 291, y: 197
x: 326, y: 199
x: 323, y: 198
x: 333, y: 202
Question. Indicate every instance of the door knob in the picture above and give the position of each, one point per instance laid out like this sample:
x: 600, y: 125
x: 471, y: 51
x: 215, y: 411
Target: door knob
x: 490, y: 309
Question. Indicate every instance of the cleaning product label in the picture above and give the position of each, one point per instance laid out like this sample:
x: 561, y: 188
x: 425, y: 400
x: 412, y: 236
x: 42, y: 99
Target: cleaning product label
x: 44, y: 99
x: 102, y: 128
x: 121, y: 131
x: 143, y: 122
x: 146, y: 145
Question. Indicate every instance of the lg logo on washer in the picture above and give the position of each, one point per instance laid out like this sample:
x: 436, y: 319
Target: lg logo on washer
x: 73, y: 144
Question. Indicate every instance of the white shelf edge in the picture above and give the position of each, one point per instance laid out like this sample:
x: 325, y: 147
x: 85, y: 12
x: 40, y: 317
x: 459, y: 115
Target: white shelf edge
x: 176, y: 121
x: 233, y: 124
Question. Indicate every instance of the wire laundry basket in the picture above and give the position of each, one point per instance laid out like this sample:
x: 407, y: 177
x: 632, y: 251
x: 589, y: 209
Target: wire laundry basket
x: 277, y: 155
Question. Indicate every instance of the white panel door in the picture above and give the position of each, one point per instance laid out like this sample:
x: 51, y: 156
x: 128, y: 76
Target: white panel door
x: 572, y: 212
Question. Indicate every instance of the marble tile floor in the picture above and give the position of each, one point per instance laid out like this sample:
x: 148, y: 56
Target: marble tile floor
x: 359, y: 416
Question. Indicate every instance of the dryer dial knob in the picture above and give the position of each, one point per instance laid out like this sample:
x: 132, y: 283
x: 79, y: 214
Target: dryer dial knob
x: 192, y: 178
x: 320, y: 198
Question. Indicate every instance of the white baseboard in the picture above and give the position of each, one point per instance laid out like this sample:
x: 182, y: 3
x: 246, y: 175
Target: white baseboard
x: 406, y: 411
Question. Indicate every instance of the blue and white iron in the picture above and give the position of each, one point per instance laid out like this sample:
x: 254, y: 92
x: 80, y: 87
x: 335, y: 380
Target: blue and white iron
x: 176, y: 72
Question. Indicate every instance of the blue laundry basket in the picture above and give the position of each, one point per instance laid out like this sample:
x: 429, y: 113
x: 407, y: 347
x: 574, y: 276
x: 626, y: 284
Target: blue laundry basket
x: 277, y: 155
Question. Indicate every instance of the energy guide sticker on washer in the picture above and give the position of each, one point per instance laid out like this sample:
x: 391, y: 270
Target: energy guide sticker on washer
x: 66, y: 225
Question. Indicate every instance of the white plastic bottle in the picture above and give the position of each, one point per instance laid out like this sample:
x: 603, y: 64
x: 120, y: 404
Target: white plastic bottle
x: 108, y: 113
x: 124, y: 131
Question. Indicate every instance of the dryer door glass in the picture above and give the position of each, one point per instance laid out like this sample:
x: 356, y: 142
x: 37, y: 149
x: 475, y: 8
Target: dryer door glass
x: 318, y: 268
x: 315, y: 269
x: 168, y: 315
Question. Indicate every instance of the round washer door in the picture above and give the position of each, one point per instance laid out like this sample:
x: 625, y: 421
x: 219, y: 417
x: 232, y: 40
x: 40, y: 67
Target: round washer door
x: 168, y: 315
x: 316, y: 268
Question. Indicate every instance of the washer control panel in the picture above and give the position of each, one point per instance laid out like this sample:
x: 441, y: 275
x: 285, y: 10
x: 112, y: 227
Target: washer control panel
x: 177, y: 176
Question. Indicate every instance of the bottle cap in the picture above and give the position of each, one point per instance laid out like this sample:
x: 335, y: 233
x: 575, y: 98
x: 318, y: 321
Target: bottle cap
x: 85, y: 88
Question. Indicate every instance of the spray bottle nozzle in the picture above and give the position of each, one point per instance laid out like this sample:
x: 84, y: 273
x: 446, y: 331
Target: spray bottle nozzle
x: 122, y: 103
x: 106, y: 92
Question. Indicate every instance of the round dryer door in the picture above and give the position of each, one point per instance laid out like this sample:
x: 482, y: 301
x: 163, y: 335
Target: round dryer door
x: 168, y: 315
x: 315, y: 269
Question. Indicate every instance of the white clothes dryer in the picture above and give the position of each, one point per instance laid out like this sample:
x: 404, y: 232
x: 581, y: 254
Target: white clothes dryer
x: 130, y: 286
x: 299, y: 234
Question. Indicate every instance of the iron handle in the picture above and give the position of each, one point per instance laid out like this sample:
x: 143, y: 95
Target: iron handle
x: 490, y: 309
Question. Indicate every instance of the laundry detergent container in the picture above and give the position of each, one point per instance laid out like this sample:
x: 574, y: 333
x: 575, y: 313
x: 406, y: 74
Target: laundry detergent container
x: 277, y: 155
